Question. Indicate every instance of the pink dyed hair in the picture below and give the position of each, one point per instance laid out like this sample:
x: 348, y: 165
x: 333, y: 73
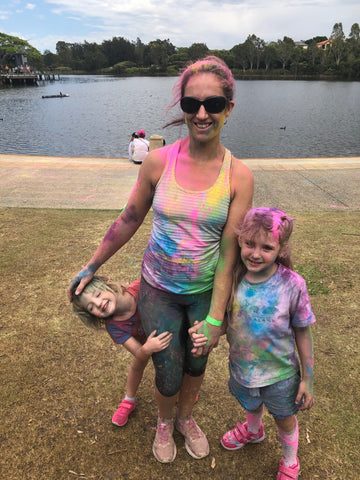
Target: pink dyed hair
x: 268, y: 220
x: 209, y: 64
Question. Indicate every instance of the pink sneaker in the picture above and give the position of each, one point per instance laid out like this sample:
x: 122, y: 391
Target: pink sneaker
x: 239, y: 436
x: 196, y: 443
x: 288, y: 473
x: 121, y: 415
x: 164, y: 448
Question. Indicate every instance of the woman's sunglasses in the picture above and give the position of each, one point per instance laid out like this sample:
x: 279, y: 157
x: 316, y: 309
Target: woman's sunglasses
x: 211, y: 104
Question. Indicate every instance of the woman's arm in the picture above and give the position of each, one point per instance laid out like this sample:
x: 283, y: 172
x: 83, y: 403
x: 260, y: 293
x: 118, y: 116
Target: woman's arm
x: 304, y: 343
x: 242, y: 188
x: 127, y: 223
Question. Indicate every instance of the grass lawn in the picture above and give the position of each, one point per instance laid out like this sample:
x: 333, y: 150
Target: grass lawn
x: 61, y: 382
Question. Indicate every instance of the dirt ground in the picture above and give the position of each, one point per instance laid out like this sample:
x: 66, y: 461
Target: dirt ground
x: 61, y: 383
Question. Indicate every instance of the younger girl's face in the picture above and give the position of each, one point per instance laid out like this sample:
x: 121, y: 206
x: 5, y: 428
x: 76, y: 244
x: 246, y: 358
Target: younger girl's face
x: 99, y: 303
x: 259, y: 255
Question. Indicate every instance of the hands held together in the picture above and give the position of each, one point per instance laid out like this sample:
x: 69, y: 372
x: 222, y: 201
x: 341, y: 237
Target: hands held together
x: 205, y: 337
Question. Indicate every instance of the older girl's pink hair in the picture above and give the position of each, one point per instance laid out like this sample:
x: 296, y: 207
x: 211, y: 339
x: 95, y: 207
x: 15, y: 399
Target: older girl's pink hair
x: 269, y: 220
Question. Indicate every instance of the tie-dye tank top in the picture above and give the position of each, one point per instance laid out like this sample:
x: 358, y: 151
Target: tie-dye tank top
x: 183, y: 249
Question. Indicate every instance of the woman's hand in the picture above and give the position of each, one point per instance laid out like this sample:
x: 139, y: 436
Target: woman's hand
x: 205, y: 337
x: 197, y: 336
x: 79, y: 282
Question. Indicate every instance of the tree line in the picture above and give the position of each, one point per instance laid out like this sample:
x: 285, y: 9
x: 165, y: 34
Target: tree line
x: 339, y: 57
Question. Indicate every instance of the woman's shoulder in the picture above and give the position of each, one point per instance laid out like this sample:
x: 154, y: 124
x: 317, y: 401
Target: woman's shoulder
x: 239, y: 168
x: 155, y: 161
x: 242, y: 178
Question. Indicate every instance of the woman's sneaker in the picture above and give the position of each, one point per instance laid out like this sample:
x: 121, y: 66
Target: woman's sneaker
x: 164, y: 448
x: 196, y: 443
x: 121, y: 415
x: 239, y: 436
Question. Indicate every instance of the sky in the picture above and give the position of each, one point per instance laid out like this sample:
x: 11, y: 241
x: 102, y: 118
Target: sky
x: 220, y: 24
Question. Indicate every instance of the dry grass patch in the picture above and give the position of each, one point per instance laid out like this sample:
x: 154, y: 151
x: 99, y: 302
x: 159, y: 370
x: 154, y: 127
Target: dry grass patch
x: 61, y: 382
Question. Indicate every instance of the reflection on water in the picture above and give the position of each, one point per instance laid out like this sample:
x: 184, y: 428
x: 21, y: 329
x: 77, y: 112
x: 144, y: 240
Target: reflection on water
x: 322, y: 119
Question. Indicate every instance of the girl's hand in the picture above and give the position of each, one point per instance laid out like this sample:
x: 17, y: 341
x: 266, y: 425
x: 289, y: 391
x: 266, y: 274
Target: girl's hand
x: 156, y: 344
x: 306, y: 394
x: 197, y: 336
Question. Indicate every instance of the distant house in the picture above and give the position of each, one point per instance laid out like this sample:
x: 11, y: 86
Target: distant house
x: 20, y: 59
x: 301, y: 44
x: 325, y: 44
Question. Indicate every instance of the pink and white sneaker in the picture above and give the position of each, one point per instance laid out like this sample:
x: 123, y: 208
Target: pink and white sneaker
x: 288, y: 473
x: 121, y: 415
x: 239, y: 436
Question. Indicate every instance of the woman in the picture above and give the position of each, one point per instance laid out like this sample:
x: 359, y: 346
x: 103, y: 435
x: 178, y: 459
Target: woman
x: 199, y: 194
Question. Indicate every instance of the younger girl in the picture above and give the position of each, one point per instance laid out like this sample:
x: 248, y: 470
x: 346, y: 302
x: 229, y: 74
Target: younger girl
x: 103, y: 302
x: 271, y: 314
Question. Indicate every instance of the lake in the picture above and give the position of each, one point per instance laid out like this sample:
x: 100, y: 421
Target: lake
x: 322, y: 118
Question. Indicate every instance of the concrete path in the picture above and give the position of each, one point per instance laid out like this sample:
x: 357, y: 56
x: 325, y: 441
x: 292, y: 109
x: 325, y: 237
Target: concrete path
x: 99, y: 183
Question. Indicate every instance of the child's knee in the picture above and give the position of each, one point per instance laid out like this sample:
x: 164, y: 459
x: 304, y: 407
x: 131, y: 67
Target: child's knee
x: 287, y: 424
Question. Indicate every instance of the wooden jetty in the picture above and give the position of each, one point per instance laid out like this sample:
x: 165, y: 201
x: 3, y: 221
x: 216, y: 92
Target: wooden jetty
x: 19, y: 78
x: 12, y: 79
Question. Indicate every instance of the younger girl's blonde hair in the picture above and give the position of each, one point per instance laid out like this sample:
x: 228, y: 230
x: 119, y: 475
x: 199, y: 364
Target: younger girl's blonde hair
x: 96, y: 283
x: 268, y: 220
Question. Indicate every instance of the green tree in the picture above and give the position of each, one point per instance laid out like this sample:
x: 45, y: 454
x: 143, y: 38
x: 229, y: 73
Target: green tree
x: 285, y: 50
x: 159, y: 52
x: 225, y: 55
x: 197, y: 50
x: 63, y: 51
x: 240, y: 56
x: 94, y: 58
x: 338, y: 42
x: 354, y: 39
x: 139, y: 51
x: 50, y: 59
x: 118, y: 50
x: 254, y: 48
x: 269, y: 55
x: 179, y: 59
x: 10, y: 45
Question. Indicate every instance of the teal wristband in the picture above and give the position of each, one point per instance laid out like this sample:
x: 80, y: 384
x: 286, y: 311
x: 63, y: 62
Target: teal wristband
x: 212, y: 321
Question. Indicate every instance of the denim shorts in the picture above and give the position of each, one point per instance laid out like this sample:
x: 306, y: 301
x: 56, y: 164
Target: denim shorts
x: 278, y: 398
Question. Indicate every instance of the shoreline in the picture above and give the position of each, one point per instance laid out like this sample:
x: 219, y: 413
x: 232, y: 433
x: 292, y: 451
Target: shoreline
x: 291, y: 184
x: 321, y: 162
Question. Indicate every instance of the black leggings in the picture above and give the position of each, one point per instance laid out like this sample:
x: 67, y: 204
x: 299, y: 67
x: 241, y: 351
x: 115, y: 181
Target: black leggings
x: 165, y: 311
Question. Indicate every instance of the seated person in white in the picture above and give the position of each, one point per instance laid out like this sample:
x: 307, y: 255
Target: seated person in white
x: 140, y: 147
x: 133, y: 136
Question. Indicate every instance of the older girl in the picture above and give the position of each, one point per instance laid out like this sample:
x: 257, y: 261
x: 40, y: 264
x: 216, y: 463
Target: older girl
x: 271, y: 316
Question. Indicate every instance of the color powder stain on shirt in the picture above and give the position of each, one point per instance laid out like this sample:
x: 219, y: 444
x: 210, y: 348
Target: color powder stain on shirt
x: 260, y: 332
x: 187, y: 225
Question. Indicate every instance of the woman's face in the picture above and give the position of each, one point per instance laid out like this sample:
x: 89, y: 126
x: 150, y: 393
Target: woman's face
x: 203, y: 125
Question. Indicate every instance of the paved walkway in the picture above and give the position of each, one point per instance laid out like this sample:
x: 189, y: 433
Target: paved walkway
x: 302, y: 184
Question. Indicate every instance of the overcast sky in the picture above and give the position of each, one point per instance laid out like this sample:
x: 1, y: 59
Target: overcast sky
x: 220, y: 24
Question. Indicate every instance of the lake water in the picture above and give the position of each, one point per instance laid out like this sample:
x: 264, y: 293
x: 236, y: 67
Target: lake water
x: 322, y: 119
